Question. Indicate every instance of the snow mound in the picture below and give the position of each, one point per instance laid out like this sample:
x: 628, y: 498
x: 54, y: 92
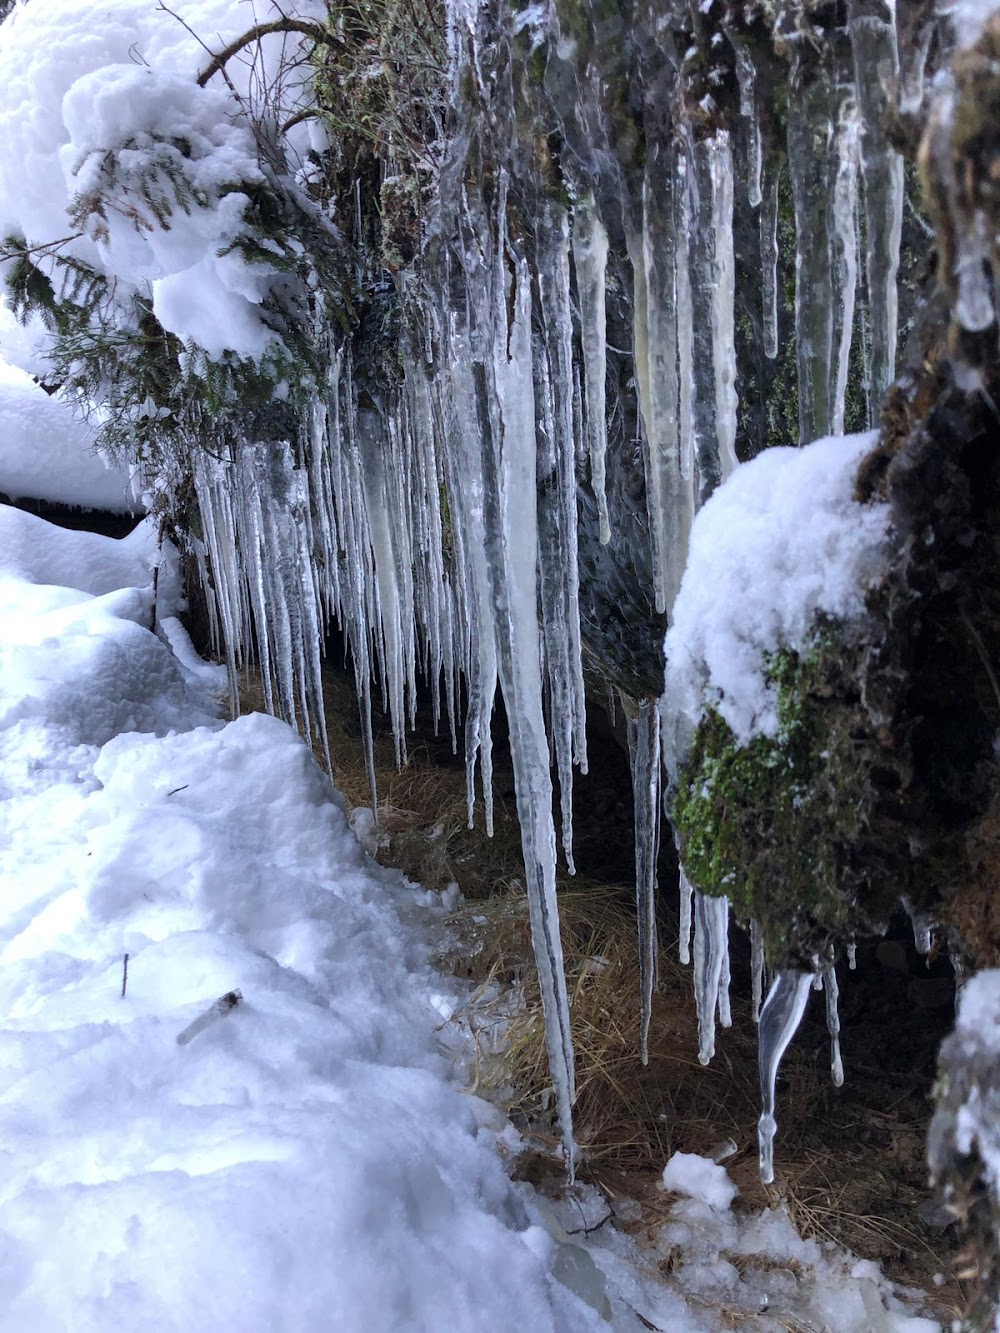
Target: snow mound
x: 699, y: 1178
x: 781, y: 541
x: 47, y: 453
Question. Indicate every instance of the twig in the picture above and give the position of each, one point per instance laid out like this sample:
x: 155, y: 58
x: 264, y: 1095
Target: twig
x: 124, y: 975
x: 177, y: 789
x: 224, y: 1005
x: 318, y: 34
x: 588, y: 1231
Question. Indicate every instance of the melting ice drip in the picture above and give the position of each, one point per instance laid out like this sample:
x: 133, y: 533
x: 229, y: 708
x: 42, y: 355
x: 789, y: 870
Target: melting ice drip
x: 779, y: 1021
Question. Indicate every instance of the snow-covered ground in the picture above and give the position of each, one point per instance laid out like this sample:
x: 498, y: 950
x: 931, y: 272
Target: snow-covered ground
x: 308, y: 1160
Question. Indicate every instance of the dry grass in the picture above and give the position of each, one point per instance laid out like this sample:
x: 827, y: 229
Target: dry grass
x: 849, y: 1162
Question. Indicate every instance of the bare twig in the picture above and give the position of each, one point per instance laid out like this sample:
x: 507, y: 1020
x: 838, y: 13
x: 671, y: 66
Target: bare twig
x: 313, y: 30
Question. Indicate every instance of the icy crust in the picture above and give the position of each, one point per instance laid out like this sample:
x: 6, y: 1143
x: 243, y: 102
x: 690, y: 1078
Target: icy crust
x: 77, y: 86
x: 46, y: 453
x: 781, y: 542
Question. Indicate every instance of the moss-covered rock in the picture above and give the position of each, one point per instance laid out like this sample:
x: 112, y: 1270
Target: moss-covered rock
x: 776, y: 823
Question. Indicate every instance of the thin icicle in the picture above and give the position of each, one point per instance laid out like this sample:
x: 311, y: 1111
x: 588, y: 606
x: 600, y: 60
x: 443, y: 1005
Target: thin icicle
x: 874, y: 44
x: 769, y: 266
x: 644, y: 755
x: 852, y: 956
x: 845, y: 208
x: 711, y: 949
x: 746, y: 77
x: 662, y: 354
x: 811, y: 116
x: 832, y: 989
x: 590, y: 258
x: 712, y: 284
x: 725, y: 980
x: 779, y: 1021
x: 686, y: 893
x: 756, y: 967
x: 724, y: 300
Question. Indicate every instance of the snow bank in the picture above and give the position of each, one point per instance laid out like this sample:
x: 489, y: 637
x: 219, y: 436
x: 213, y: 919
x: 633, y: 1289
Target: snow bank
x: 81, y: 89
x: 779, y: 542
x: 47, y: 453
x: 308, y: 1162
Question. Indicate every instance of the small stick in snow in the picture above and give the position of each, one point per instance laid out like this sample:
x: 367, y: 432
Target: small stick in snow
x: 224, y: 1005
x: 124, y: 974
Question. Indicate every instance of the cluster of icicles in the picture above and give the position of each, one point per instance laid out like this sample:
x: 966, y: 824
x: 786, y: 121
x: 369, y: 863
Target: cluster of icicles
x: 440, y: 528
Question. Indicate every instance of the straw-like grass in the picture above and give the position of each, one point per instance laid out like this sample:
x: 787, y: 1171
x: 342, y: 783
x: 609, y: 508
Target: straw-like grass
x: 849, y: 1162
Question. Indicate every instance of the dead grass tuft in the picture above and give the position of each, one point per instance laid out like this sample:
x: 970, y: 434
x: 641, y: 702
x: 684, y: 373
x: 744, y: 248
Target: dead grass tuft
x: 850, y: 1162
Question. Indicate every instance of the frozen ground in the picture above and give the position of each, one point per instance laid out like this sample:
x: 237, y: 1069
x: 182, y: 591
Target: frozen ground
x: 308, y: 1160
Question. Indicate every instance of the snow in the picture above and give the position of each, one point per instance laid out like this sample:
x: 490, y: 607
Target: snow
x: 300, y: 1156
x: 77, y: 85
x: 699, y: 1178
x: 781, y: 541
x: 307, y: 1162
x: 969, y: 18
x: 48, y: 453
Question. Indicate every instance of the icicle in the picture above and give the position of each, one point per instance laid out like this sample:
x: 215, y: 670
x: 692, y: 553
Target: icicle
x: 779, y: 1021
x: 769, y: 266
x: 746, y: 77
x: 644, y: 756
x: 711, y: 949
x: 852, y: 956
x: 872, y: 28
x: 686, y: 893
x: 811, y: 108
x: 661, y: 344
x: 756, y: 967
x: 725, y: 980
x: 712, y: 281
x: 507, y: 425
x: 832, y: 989
x: 911, y: 93
x: 923, y: 927
x: 590, y: 257
x: 558, y: 542
x: 845, y: 207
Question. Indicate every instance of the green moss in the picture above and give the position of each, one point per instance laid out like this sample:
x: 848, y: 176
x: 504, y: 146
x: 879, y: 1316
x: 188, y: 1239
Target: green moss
x: 772, y: 823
